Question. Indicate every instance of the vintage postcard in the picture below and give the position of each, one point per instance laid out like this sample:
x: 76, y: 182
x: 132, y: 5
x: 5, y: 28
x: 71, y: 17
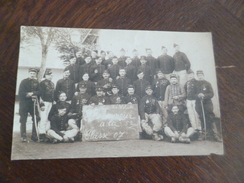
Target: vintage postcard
x: 93, y: 93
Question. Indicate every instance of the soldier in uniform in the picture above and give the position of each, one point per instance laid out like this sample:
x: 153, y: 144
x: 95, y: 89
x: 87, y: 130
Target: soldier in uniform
x: 47, y: 97
x: 28, y: 89
x: 122, y: 58
x: 204, y: 94
x: 65, y: 85
x: 89, y: 85
x: 140, y: 84
x: 99, y: 99
x: 177, y: 127
x: 130, y: 69
x: 86, y: 68
x: 182, y: 65
x: 122, y: 82
x: 97, y: 70
x: 103, y: 56
x: 191, y: 96
x: 114, y: 69
x: 152, y: 63
x: 107, y: 63
x: 106, y: 83
x: 159, y: 87
x: 150, y: 114
x: 166, y: 63
x: 145, y: 68
x: 136, y: 60
x: 93, y: 56
x: 116, y: 98
x: 77, y: 105
x: 79, y: 59
x: 74, y: 70
x: 61, y: 130
x: 131, y: 98
x: 175, y: 94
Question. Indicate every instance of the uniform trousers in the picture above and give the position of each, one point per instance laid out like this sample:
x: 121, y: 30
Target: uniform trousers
x: 193, y: 115
x: 156, y: 123
x: 44, y: 124
x: 182, y: 76
x: 164, y: 110
x: 71, y: 132
x: 170, y: 133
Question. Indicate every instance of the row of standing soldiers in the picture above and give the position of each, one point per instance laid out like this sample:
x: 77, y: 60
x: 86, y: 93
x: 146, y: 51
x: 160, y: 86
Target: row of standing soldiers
x: 160, y: 96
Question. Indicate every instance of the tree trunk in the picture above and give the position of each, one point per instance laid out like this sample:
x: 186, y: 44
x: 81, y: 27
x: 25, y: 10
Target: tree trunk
x: 43, y: 63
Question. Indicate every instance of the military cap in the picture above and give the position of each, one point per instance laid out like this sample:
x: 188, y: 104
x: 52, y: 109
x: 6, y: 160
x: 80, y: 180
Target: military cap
x: 85, y: 56
x: 148, y: 87
x: 175, y: 45
x: 95, y: 51
x: 200, y: 72
x: 48, y: 72
x: 105, y: 71
x: 162, y: 47
x: 62, y: 106
x: 99, y: 88
x: 159, y: 71
x: 173, y: 76
x: 131, y: 86
x: 143, y: 57
x: 115, y: 86
x: 102, y: 51
x: 66, y: 69
x: 190, y: 71
x: 122, y: 49
x: 83, y: 85
x: 33, y: 70
x: 114, y: 57
x: 140, y: 71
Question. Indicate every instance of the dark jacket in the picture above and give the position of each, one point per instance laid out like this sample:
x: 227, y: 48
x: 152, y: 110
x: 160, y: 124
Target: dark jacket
x: 123, y: 84
x: 116, y: 99
x: 177, y: 122
x: 159, y: 88
x: 153, y: 65
x: 166, y: 64
x: 85, y: 68
x: 140, y: 86
x: 67, y: 86
x: 136, y: 62
x: 121, y: 61
x: 95, y: 100
x: 181, y: 61
x: 95, y: 77
x: 134, y: 99
x: 74, y: 72
x: 77, y: 104
x: 59, y: 123
x: 47, y: 90
x: 54, y: 109
x: 191, y: 89
x: 114, y: 71
x: 28, y: 85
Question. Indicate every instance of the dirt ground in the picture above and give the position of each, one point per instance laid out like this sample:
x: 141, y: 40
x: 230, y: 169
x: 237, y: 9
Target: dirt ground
x: 129, y: 148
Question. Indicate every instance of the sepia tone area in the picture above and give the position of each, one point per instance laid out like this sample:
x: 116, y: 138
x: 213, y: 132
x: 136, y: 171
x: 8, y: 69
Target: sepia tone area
x: 224, y: 19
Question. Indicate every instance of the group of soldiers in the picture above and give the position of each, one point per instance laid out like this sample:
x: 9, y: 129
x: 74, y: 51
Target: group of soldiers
x: 171, y: 102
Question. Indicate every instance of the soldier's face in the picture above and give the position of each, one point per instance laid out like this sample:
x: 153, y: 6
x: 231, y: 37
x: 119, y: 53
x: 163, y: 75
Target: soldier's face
x: 49, y: 77
x: 99, y: 60
x: 103, y: 55
x: 85, y: 77
x: 94, y: 54
x: 115, y: 61
x: 78, y: 54
x: 149, y: 91
x: 190, y: 76
x: 173, y: 81
x: 175, y: 109
x: 66, y: 74
x: 143, y: 61
x: 82, y: 90
x: 62, y: 112
x: 32, y: 75
x: 115, y: 91
x: 62, y: 97
x: 72, y: 61
x: 128, y: 61
x: 131, y: 91
x: 122, y: 73
x: 160, y: 75
x: 99, y: 93
x: 149, y: 52
x: 88, y: 60
x: 105, y: 75
x: 200, y: 77
x: 140, y: 76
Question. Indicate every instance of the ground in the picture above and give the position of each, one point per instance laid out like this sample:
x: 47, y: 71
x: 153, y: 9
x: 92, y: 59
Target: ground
x: 129, y: 148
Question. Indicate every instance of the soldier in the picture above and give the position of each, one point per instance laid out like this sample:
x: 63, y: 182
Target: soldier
x: 130, y: 69
x: 97, y: 70
x: 93, y: 56
x: 65, y: 85
x: 182, y: 65
x: 79, y: 59
x: 61, y: 130
x: 136, y: 60
x: 47, y: 97
x: 204, y: 95
x: 116, y: 98
x: 114, y: 69
x: 150, y: 114
x: 122, y: 82
x: 122, y: 58
x: 74, y: 70
x: 175, y: 94
x: 103, y: 56
x: 89, y: 85
x: 177, y: 127
x: 28, y: 89
x: 107, y: 63
x: 159, y: 87
x: 191, y: 96
x: 85, y: 68
x: 77, y: 105
x: 131, y: 98
x: 152, y: 63
x: 99, y: 99
x: 106, y: 83
x: 145, y: 68
x: 166, y: 63
x: 140, y: 84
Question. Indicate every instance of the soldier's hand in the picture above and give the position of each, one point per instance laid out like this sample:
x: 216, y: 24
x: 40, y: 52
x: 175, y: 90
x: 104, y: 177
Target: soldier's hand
x: 200, y: 95
x: 54, y: 102
x: 29, y: 94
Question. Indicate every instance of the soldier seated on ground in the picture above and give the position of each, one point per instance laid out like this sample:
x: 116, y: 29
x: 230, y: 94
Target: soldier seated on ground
x: 150, y: 113
x: 177, y: 127
x: 61, y: 130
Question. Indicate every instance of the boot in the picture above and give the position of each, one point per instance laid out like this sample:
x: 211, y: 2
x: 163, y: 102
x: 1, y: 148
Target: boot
x: 215, y: 132
x: 23, y: 132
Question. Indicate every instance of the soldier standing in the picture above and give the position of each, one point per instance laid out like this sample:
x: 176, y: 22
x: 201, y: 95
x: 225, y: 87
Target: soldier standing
x: 28, y: 89
x: 140, y: 84
x: 152, y: 63
x: 122, y: 82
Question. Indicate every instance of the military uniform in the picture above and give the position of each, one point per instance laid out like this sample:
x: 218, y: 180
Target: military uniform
x: 166, y: 64
x: 153, y: 65
x: 106, y: 84
x: 123, y: 84
x: 85, y: 68
x: 74, y: 72
x: 90, y: 87
x: 95, y: 77
x: 26, y: 105
x: 107, y: 63
x: 136, y: 62
x: 130, y: 72
x: 122, y: 62
x: 80, y: 61
x: 133, y: 99
x: 65, y: 85
x: 55, y: 107
x: 146, y: 70
x: 140, y: 86
x: 96, y: 100
x: 114, y: 71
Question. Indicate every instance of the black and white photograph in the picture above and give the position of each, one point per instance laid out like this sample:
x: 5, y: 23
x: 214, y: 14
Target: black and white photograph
x: 106, y: 93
